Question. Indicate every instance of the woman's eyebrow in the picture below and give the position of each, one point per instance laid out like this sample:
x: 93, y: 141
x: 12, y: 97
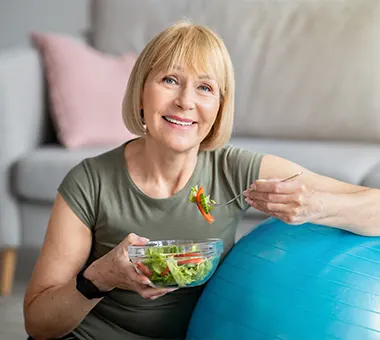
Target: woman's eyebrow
x: 179, y: 68
x: 206, y: 76
x: 202, y: 76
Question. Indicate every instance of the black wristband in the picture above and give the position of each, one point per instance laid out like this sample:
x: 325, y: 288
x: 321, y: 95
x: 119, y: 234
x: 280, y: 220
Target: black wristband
x: 87, y: 288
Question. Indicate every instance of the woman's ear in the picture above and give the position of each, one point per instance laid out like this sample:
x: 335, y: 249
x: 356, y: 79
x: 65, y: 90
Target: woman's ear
x: 142, y: 116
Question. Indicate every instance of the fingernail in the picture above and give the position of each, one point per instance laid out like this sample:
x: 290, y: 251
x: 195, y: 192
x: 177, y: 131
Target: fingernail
x: 143, y: 239
x: 171, y: 289
x: 249, y: 201
x: 253, y: 186
x: 245, y: 193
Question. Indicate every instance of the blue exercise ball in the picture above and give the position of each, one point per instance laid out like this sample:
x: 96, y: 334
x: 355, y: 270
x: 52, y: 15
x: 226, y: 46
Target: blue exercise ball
x: 305, y: 282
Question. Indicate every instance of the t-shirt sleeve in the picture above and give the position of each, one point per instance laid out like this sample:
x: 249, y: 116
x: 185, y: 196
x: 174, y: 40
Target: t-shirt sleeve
x: 78, y: 190
x: 241, y: 168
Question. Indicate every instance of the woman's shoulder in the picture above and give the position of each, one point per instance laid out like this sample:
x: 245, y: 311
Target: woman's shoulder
x: 113, y: 158
x: 96, y: 167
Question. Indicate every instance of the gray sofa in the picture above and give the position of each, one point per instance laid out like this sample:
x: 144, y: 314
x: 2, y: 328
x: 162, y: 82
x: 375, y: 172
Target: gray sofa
x: 307, y: 79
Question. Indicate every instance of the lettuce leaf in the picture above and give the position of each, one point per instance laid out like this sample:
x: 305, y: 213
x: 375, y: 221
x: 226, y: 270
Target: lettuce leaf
x: 193, y: 194
x: 181, y: 275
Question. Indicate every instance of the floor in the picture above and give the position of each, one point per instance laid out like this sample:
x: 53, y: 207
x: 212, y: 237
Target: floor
x: 11, y: 314
x: 11, y: 318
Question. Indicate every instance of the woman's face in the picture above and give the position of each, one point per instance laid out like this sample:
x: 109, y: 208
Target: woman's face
x: 180, y: 107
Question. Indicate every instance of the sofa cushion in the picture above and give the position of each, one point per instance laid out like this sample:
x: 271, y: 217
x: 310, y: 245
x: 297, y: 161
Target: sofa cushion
x: 372, y: 179
x: 304, y: 69
x: 86, y: 90
x: 37, y: 175
x: 348, y: 162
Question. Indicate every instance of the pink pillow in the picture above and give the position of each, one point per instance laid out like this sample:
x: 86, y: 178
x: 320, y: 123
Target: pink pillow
x: 86, y: 89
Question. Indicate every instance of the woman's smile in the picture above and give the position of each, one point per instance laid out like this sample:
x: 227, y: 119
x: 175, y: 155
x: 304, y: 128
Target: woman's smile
x: 178, y: 122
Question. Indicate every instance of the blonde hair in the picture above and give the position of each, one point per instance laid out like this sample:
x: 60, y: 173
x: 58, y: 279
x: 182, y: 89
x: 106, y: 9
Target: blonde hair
x: 201, y: 50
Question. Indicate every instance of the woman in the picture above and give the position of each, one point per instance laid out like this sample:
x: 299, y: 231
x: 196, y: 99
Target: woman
x: 180, y: 100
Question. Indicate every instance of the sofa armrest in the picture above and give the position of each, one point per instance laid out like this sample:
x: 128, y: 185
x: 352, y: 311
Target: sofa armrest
x: 22, y: 112
x: 372, y: 178
x: 22, y: 125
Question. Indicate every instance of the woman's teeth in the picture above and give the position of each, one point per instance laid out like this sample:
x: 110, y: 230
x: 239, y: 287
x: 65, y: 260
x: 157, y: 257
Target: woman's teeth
x: 171, y: 120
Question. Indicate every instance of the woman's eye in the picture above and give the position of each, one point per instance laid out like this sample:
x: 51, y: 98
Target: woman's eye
x: 205, y: 88
x: 169, y: 80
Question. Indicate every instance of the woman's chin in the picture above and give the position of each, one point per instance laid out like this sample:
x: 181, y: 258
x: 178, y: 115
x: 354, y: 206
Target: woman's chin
x: 180, y: 145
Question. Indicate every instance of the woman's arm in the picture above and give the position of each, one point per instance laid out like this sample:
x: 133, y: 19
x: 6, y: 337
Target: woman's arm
x: 314, y: 198
x: 52, y: 305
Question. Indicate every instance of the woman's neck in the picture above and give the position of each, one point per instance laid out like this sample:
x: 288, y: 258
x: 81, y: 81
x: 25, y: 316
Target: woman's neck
x: 158, y: 172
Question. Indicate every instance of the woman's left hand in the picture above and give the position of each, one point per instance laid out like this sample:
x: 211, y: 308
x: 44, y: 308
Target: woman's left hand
x: 291, y: 202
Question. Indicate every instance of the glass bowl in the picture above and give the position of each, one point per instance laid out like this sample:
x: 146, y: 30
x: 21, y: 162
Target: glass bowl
x: 177, y: 263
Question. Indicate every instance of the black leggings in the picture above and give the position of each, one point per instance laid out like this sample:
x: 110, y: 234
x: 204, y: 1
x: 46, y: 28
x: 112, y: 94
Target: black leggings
x: 70, y: 336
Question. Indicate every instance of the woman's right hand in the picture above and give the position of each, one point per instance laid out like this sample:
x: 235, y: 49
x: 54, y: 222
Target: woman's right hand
x: 115, y: 270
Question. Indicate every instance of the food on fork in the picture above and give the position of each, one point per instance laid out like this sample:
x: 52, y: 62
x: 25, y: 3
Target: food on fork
x: 204, y: 203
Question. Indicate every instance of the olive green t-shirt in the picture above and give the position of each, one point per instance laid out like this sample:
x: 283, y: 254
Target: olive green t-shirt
x: 102, y: 194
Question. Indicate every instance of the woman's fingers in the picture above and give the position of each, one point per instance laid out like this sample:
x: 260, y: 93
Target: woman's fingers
x: 137, y: 276
x: 290, y: 213
x: 273, y: 198
x: 268, y: 207
x: 144, y: 287
x: 275, y: 191
x: 152, y: 293
x: 133, y: 239
x: 141, y: 279
x: 277, y: 186
x: 153, y: 297
x: 289, y: 201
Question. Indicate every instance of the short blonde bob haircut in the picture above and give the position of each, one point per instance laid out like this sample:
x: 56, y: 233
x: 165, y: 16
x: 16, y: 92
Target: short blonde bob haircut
x: 201, y: 51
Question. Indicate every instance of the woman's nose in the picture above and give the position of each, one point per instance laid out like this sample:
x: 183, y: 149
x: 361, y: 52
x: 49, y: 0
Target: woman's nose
x: 185, y: 99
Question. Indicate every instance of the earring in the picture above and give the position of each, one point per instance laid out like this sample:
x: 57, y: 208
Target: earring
x: 142, y: 116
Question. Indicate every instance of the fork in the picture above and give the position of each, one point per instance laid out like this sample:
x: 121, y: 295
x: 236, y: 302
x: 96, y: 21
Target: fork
x: 217, y: 205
